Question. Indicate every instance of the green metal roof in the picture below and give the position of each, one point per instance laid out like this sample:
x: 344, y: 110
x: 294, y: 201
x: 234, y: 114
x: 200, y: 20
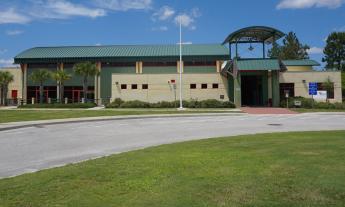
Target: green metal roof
x: 121, y: 53
x: 254, y: 34
x: 258, y: 64
x: 305, y: 62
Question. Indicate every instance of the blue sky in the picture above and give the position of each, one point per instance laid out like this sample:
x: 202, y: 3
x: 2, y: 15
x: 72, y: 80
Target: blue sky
x: 31, y: 23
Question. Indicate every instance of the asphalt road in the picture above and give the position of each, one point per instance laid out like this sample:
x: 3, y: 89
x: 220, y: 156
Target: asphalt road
x: 45, y: 146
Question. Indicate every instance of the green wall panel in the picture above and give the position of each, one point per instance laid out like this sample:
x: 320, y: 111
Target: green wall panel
x: 50, y: 82
x: 231, y: 88
x: 160, y: 70
x: 200, y: 69
x: 77, y: 80
x: 106, y: 73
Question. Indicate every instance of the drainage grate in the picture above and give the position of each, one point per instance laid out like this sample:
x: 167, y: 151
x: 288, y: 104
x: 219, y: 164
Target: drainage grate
x: 275, y: 125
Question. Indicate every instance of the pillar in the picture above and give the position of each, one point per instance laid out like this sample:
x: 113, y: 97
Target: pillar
x: 24, y: 68
x: 237, y: 90
x: 219, y: 66
x: 97, y: 89
x: 58, y: 97
x: 275, y: 89
x: 178, y: 66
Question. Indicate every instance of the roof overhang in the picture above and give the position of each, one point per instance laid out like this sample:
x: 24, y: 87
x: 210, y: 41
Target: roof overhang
x: 254, y: 34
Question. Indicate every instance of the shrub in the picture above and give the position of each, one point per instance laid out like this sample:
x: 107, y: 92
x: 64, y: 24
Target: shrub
x: 135, y: 104
x: 60, y: 105
x: 212, y: 103
x: 309, y: 103
x: 115, y: 104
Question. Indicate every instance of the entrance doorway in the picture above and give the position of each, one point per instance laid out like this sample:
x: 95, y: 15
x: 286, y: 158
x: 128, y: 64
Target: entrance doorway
x: 251, y: 90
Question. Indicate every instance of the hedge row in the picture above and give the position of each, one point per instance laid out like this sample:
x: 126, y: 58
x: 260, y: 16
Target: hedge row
x: 309, y: 103
x: 60, y: 105
x: 211, y: 103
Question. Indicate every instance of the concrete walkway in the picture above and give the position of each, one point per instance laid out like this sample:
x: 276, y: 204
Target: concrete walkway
x: 49, y: 145
x: 267, y: 110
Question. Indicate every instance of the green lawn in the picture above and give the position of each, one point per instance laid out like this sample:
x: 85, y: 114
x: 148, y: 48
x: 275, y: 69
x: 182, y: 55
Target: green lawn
x: 284, y: 169
x: 44, y: 114
x: 300, y: 110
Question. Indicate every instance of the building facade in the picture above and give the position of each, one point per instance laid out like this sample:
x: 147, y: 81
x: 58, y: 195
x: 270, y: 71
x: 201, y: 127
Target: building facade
x: 151, y: 72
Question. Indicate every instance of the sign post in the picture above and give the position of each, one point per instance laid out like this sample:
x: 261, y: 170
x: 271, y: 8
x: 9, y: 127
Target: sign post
x: 312, y: 91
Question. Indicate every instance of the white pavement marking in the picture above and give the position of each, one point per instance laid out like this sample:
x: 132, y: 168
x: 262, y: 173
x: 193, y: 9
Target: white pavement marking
x: 46, y: 146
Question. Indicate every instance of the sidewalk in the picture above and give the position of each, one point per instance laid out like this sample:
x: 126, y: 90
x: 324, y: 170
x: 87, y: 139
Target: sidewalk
x: 24, y: 124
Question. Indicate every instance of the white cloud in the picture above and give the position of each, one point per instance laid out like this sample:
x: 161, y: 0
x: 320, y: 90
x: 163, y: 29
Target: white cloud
x: 184, y: 19
x: 124, y: 5
x: 62, y: 9
x: 163, y: 13
x: 315, y: 50
x: 185, y: 43
x: 161, y: 28
x: 6, y: 62
x: 14, y: 32
x: 188, y: 20
x: 11, y: 16
x: 301, y: 4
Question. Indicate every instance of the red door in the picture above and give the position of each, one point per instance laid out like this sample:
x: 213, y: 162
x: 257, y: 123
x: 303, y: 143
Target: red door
x: 14, y: 94
x: 76, y: 96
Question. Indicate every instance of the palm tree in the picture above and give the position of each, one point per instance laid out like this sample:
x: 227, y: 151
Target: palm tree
x: 328, y: 85
x: 40, y: 76
x: 85, y: 69
x: 5, y: 79
x: 61, y: 76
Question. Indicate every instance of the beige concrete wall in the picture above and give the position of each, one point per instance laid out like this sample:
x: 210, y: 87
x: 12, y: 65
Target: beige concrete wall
x: 17, y: 83
x: 160, y: 88
x: 301, y: 88
x: 299, y: 68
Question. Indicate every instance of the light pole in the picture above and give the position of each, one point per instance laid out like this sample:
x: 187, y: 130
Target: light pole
x: 181, y: 65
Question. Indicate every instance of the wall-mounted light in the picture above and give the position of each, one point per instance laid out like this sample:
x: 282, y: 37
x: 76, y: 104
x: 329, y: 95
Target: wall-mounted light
x: 304, y: 81
x: 117, y: 83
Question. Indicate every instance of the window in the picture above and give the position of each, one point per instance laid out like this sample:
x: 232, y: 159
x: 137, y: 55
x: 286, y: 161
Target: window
x: 134, y: 86
x: 204, y: 86
x: 193, y: 86
x: 145, y: 86
x: 287, y: 88
x: 215, y: 85
x: 118, y: 64
x: 154, y: 64
x: 123, y: 86
x: 200, y: 63
x: 325, y: 87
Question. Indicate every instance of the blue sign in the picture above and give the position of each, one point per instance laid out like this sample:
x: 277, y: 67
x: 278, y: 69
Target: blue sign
x: 313, y: 89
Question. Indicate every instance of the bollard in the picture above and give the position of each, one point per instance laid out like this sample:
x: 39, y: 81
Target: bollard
x: 82, y: 100
x: 66, y: 100
x: 32, y: 100
x: 49, y: 100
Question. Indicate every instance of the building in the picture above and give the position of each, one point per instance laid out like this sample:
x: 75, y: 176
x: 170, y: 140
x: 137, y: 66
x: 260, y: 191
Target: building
x: 15, y: 87
x: 151, y: 72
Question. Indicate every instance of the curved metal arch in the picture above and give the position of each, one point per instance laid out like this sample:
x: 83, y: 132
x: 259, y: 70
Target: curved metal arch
x: 254, y: 34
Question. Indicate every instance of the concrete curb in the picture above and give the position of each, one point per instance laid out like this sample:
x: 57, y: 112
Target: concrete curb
x: 26, y: 124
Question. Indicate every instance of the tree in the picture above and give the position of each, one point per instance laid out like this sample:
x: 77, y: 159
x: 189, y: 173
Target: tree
x: 40, y: 76
x: 5, y: 79
x: 291, y: 49
x: 61, y: 76
x: 335, y: 51
x: 86, y: 70
x: 328, y: 85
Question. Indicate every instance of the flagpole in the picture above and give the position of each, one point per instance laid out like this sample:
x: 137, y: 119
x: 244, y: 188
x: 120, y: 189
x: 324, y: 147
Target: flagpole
x: 181, y: 66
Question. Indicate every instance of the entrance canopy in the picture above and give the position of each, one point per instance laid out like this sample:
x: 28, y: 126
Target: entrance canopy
x: 254, y: 34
